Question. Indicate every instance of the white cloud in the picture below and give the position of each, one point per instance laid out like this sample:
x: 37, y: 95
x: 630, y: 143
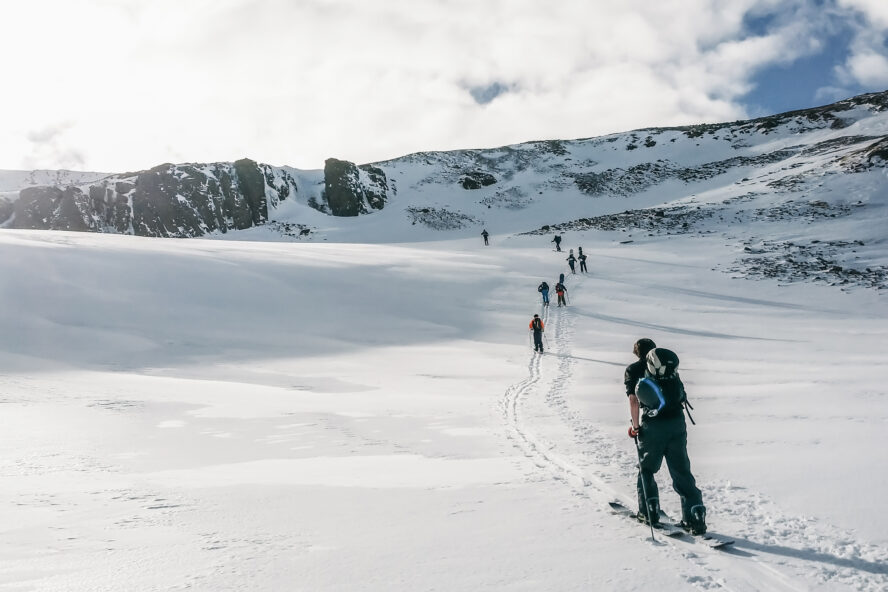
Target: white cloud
x: 868, y: 68
x: 295, y: 82
x: 868, y: 63
x: 876, y: 11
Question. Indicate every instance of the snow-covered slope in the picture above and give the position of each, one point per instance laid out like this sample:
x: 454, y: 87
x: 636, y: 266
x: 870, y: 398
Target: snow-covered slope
x: 218, y: 415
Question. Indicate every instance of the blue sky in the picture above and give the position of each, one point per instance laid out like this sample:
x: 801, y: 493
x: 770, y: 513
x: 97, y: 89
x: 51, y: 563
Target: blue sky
x: 814, y: 79
x: 112, y: 85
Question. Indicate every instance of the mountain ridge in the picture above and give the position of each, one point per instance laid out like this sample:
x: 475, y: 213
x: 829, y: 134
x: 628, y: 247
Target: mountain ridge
x: 808, y: 168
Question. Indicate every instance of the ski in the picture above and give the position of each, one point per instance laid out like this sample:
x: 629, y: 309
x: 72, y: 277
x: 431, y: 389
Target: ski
x: 674, y: 530
x: 715, y: 541
x: 666, y: 528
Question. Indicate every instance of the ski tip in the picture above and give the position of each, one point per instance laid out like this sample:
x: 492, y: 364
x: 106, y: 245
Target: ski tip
x: 717, y: 542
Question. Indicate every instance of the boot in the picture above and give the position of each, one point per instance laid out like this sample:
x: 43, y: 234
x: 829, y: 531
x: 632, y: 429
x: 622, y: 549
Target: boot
x: 654, y: 508
x: 695, y: 523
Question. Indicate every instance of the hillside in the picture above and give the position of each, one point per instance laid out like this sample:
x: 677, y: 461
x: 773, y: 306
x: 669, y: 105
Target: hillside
x: 822, y: 169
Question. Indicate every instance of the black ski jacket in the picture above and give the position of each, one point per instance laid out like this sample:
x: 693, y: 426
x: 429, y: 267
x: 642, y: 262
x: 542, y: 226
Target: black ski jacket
x: 634, y: 373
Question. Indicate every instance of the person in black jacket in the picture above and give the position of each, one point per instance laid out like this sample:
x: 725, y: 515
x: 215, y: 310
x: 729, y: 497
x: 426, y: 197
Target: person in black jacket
x: 537, y: 326
x: 571, y: 261
x: 658, y: 426
x: 485, y: 234
x: 635, y: 371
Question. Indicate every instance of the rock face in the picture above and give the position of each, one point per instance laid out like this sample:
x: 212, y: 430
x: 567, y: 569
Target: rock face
x: 169, y: 200
x: 350, y: 190
x: 51, y: 207
x: 188, y: 200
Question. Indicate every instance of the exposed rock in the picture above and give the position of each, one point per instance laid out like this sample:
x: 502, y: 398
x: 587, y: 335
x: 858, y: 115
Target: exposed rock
x: 350, y: 190
x: 441, y: 219
x: 476, y: 180
x: 166, y: 201
x: 51, y: 208
x: 252, y: 187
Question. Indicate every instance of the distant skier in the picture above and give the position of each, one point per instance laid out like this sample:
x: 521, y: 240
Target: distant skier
x: 572, y: 261
x: 582, y: 259
x: 537, y: 326
x: 557, y: 241
x: 544, y: 290
x: 560, y: 289
x: 657, y: 406
x: 485, y: 234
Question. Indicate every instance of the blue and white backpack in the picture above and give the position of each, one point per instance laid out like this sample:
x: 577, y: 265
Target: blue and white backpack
x: 661, y: 392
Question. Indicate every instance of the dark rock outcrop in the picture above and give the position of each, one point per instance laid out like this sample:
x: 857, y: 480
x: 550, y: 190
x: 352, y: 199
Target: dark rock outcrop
x: 476, y: 180
x: 51, y: 208
x: 350, y: 190
x: 168, y: 201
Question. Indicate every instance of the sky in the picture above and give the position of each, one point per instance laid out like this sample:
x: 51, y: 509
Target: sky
x: 120, y: 85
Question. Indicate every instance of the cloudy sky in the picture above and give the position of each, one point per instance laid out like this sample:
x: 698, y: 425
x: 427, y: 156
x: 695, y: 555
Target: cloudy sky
x: 117, y: 85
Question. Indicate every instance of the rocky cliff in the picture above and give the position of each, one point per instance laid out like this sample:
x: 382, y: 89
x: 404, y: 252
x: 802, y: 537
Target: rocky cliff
x: 350, y: 190
x: 183, y: 200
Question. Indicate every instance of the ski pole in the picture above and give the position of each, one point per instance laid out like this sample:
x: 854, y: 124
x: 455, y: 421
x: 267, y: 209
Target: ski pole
x: 647, y: 507
x: 688, y: 407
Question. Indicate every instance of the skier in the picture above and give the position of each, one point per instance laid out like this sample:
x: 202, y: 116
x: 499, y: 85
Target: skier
x: 572, y: 261
x: 560, y: 289
x: 485, y: 235
x: 582, y: 259
x: 544, y: 290
x: 656, y: 406
x: 557, y: 241
x: 537, y: 326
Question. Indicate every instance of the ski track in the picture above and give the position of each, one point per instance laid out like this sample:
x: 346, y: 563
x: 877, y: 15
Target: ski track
x: 777, y: 551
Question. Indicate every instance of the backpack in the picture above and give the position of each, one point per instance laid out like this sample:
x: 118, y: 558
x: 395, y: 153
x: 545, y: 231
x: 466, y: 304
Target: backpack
x: 661, y: 391
x: 537, y: 325
x: 661, y: 397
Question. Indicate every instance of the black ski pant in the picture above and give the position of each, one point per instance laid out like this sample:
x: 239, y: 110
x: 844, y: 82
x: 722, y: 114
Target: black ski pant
x: 538, y: 341
x: 666, y: 438
x: 583, y: 266
x: 572, y: 270
x: 561, y: 299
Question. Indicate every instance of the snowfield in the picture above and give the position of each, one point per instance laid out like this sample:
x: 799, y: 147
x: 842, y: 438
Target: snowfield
x: 254, y: 415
